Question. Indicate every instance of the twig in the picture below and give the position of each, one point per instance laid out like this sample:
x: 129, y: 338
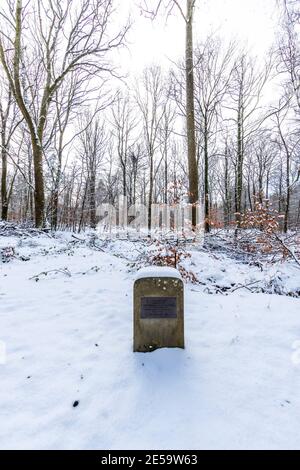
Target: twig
x: 77, y: 238
x: 287, y: 249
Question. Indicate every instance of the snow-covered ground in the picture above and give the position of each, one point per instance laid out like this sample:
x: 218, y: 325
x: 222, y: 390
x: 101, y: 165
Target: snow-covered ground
x: 68, y: 340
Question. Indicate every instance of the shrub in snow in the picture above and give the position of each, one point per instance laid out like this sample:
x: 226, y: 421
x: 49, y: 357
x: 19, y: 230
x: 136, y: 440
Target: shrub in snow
x: 7, y: 254
x: 172, y: 254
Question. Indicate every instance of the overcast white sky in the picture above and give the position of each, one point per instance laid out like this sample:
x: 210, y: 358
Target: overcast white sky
x: 251, y: 21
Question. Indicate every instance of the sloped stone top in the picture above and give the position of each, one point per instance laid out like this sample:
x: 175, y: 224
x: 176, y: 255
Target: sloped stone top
x: 158, y: 271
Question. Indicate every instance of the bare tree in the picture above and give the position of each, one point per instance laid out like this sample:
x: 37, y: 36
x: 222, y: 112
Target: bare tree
x: 287, y: 112
x: 150, y: 100
x: 93, y: 141
x: 124, y: 124
x: 9, y: 121
x: 137, y: 165
x: 246, y: 89
x: 167, y: 128
x: 288, y: 142
x: 212, y: 77
x: 169, y: 5
x: 68, y: 98
x: 52, y: 38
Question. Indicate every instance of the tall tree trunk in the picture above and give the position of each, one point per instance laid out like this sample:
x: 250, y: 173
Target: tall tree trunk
x: 81, y: 221
x: 260, y: 188
x: 226, y: 183
x: 190, y: 113
x: 150, y: 193
x: 57, y: 181
x: 239, y: 169
x: 249, y: 194
x: 287, y: 180
x: 166, y: 170
x: 30, y: 208
x: 92, y: 200
x: 39, y: 198
x: 54, y: 209
x: 206, y: 180
x: 288, y: 194
x: 55, y: 196
x: 4, y: 200
x: 267, y: 184
x: 124, y: 179
x: 134, y: 187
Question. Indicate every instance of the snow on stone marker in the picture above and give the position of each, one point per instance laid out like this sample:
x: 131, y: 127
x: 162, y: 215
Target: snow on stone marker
x: 158, y: 309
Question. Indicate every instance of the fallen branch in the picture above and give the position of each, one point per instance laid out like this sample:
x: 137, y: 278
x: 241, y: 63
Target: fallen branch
x: 64, y: 271
x: 244, y: 286
x: 94, y: 269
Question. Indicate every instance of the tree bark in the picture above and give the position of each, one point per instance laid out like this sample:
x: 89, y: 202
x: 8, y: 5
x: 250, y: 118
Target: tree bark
x: 240, y: 161
x: 39, y: 197
x: 226, y: 183
x: 166, y: 169
x: 206, y: 180
x: 92, y: 200
x: 288, y: 194
x: 151, y: 181
x: 190, y: 113
x: 4, y: 200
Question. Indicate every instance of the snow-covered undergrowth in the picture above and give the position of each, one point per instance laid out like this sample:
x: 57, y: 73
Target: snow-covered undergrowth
x: 69, y: 378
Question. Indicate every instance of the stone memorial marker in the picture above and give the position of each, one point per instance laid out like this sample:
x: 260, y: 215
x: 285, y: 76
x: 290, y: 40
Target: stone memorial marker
x: 158, y: 309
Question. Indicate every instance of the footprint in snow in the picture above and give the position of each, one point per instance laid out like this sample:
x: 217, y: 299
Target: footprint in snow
x: 235, y: 340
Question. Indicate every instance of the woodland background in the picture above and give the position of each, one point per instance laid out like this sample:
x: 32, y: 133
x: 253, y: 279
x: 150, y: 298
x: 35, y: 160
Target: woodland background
x: 75, y: 132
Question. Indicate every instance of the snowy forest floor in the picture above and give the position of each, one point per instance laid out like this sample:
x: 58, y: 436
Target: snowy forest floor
x: 71, y: 381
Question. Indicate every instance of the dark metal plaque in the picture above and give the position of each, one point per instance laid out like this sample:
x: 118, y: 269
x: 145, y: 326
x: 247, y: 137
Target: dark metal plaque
x: 158, y: 307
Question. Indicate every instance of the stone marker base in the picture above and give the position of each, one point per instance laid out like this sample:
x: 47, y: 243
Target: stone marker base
x: 158, y: 313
